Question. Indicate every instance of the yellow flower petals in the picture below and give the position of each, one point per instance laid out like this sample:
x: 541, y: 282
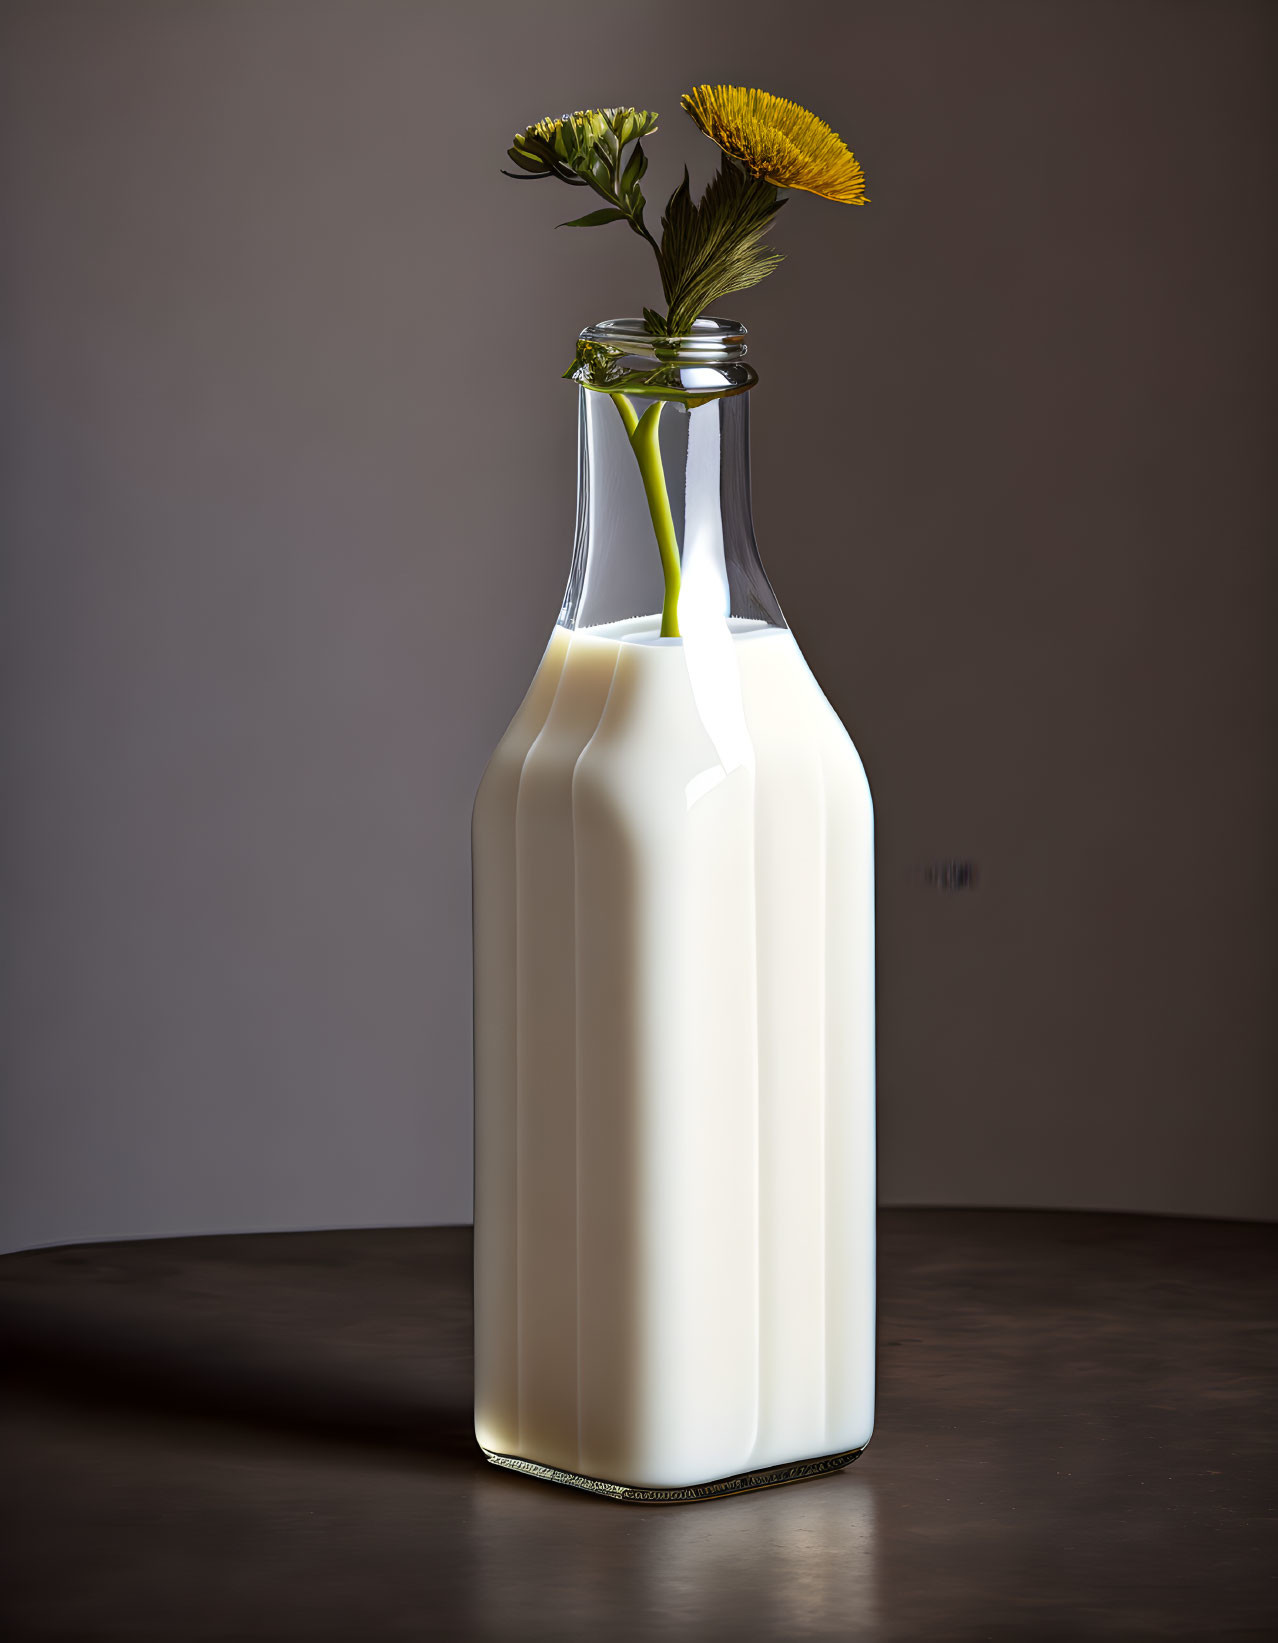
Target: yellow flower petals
x: 778, y: 141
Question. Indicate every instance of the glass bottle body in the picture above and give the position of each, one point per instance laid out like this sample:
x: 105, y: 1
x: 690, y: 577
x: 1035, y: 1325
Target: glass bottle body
x: 673, y: 1006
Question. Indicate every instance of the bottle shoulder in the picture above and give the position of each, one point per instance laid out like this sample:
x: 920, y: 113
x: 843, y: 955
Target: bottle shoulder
x: 632, y: 717
x: 501, y: 774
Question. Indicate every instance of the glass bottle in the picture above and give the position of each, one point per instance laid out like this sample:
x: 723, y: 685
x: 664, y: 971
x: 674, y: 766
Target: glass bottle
x: 674, y: 959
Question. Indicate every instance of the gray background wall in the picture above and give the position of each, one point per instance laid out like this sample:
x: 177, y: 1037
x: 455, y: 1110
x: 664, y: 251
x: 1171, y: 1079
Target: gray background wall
x: 286, y: 509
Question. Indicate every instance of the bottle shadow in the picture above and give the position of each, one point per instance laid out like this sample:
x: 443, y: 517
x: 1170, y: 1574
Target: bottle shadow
x: 153, y: 1370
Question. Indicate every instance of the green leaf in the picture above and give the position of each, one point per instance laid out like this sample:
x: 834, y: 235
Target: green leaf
x: 636, y: 165
x: 528, y: 162
x: 595, y: 219
x: 714, y: 247
x: 595, y: 363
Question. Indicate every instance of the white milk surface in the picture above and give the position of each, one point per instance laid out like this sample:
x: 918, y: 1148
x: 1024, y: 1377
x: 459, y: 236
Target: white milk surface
x: 674, y: 1064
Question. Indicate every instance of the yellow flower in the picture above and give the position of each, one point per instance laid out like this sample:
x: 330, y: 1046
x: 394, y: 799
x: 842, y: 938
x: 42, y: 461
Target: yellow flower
x: 778, y: 141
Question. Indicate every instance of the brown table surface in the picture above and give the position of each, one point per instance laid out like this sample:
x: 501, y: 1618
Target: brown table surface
x: 268, y: 1437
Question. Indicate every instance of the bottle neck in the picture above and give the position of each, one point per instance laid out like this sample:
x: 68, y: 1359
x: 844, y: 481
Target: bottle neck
x: 665, y: 538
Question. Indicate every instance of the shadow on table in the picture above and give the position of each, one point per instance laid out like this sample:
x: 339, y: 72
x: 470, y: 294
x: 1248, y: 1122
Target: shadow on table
x: 141, y: 1367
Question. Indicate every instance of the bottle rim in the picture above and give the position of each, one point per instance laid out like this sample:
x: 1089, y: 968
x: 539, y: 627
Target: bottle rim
x: 711, y: 340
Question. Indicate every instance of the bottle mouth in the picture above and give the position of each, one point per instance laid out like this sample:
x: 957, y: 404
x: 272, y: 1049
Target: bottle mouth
x: 711, y: 341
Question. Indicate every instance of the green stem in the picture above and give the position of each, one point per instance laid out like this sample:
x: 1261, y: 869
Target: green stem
x: 627, y: 414
x: 640, y: 227
x: 643, y: 434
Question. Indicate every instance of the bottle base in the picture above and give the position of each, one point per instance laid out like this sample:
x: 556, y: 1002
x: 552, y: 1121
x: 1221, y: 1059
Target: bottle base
x: 767, y: 1477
